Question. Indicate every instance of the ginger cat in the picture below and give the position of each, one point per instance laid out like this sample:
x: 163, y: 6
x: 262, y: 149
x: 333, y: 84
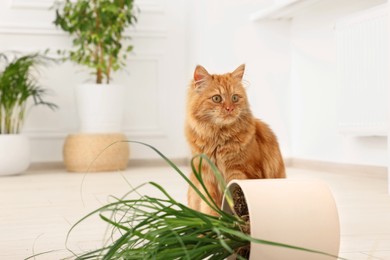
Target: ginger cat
x: 220, y: 125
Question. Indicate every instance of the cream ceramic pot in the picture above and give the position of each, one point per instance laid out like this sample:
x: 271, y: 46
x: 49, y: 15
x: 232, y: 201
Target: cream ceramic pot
x: 295, y: 212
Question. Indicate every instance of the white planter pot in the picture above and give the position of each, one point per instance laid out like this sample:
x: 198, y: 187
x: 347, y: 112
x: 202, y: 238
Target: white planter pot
x: 294, y: 212
x: 100, y: 108
x: 14, y: 154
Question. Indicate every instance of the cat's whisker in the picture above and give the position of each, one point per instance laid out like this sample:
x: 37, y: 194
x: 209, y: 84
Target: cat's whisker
x: 246, y: 83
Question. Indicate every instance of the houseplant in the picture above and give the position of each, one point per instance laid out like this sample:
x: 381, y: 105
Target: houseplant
x: 18, y: 85
x: 97, y: 29
x: 162, y: 228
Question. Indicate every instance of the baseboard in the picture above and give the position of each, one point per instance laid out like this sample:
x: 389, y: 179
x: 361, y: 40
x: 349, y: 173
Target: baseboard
x: 158, y: 162
x: 378, y: 171
x: 46, y: 166
x: 288, y: 162
x: 59, y: 166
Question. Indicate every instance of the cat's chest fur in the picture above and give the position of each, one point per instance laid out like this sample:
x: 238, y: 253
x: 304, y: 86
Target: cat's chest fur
x: 222, y: 145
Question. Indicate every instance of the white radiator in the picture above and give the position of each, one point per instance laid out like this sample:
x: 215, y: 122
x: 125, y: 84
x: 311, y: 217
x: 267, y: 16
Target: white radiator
x: 363, y: 70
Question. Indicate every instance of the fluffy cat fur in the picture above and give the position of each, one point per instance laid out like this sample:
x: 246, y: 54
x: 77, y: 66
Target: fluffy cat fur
x: 220, y: 125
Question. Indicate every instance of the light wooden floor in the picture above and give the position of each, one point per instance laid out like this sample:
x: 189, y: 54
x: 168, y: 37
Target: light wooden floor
x: 38, y: 208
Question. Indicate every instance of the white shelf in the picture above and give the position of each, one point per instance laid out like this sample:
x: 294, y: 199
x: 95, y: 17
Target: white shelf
x: 284, y: 10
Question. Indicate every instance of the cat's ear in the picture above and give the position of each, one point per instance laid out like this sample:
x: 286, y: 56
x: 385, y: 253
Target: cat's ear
x: 200, y: 76
x: 239, y: 72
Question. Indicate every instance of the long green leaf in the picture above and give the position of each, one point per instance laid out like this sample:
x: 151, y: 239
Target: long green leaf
x: 162, y: 228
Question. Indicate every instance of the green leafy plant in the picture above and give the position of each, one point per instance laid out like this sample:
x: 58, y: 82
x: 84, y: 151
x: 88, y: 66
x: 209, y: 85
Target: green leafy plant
x: 18, y: 84
x: 97, y: 28
x: 163, y: 228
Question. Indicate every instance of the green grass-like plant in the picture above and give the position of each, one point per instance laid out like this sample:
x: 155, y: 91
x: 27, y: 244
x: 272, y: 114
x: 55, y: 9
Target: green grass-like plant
x: 18, y: 84
x: 163, y: 228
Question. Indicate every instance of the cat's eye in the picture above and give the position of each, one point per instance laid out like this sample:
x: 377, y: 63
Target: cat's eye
x: 217, y: 99
x: 235, y: 98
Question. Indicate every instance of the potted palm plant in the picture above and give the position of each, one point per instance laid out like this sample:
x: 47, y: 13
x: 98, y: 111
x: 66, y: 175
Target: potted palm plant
x: 18, y: 85
x: 97, y: 29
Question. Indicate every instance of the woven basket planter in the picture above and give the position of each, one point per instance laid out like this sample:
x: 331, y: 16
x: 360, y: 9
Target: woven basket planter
x: 96, y: 152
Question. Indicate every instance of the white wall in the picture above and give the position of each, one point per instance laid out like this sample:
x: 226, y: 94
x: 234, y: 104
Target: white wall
x: 291, y: 74
x: 155, y: 76
x: 223, y: 37
x: 316, y: 92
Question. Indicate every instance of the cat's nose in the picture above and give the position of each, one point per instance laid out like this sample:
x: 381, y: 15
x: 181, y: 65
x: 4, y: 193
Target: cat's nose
x: 229, y: 109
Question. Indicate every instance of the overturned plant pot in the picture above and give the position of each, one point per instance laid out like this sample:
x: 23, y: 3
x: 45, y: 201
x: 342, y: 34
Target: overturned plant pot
x: 96, y: 152
x: 294, y: 212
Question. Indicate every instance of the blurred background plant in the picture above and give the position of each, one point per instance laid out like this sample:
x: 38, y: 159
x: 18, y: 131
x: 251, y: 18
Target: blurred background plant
x: 97, y: 29
x: 19, y: 84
